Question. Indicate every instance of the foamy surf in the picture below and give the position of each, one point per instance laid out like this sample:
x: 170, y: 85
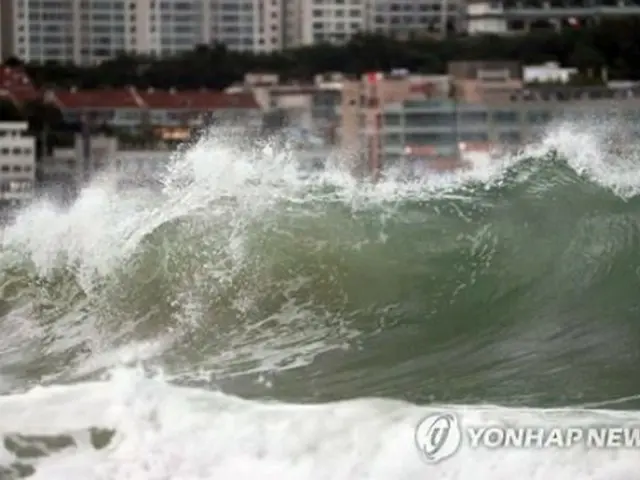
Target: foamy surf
x: 132, y: 427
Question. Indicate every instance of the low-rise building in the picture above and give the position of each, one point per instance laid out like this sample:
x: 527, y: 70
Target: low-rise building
x: 446, y: 128
x: 17, y: 164
x: 379, y: 118
x: 364, y: 101
x: 312, y: 106
x: 132, y: 110
x: 65, y: 171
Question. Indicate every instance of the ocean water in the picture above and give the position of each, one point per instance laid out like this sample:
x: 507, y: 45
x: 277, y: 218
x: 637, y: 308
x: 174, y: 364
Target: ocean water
x: 248, y: 321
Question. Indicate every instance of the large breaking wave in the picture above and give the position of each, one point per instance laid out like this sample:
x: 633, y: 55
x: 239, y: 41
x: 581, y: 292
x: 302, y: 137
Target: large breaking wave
x: 127, y: 315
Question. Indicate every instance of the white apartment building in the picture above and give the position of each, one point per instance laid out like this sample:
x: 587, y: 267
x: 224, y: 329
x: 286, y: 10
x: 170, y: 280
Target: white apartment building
x: 331, y: 20
x: 403, y: 18
x: 17, y: 164
x: 253, y: 25
x: 90, y: 31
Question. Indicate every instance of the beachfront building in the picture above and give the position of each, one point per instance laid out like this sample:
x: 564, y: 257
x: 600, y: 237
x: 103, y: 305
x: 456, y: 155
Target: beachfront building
x: 407, y: 18
x: 331, y: 21
x: 428, y: 130
x: 170, y: 113
x: 477, y: 107
x: 366, y: 100
x: 432, y: 129
x: 17, y: 164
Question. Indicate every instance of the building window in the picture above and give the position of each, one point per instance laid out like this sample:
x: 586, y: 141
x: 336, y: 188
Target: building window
x: 510, y: 137
x: 392, y: 119
x: 538, y: 117
x: 505, y: 116
x: 473, y: 117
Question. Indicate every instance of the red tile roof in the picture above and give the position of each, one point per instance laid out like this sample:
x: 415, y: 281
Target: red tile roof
x: 98, y: 99
x: 196, y: 100
x: 153, y: 99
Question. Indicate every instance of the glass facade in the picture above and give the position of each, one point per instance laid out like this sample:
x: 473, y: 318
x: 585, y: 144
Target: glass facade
x: 445, y: 123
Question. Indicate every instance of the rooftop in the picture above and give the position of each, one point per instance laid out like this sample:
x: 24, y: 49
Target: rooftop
x: 196, y: 99
x: 131, y: 98
x: 72, y: 99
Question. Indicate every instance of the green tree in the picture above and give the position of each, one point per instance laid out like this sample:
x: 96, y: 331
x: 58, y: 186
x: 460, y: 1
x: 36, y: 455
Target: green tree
x: 614, y: 43
x: 42, y: 115
x: 9, y: 112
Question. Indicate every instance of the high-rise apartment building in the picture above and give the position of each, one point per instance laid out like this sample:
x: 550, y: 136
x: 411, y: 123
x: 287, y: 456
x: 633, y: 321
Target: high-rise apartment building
x: 79, y: 31
x: 89, y: 31
x: 516, y: 16
x: 168, y: 27
x: 405, y: 18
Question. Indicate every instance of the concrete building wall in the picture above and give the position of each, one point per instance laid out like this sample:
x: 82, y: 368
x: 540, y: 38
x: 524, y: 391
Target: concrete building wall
x: 514, y: 16
x: 6, y: 29
x: 17, y: 164
x: 331, y: 21
x: 406, y: 18
x: 478, y: 82
x: 447, y: 125
x: 364, y: 101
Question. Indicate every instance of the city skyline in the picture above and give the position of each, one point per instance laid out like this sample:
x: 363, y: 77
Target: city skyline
x: 90, y: 31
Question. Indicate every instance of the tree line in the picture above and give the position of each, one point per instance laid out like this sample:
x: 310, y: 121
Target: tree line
x: 614, y: 44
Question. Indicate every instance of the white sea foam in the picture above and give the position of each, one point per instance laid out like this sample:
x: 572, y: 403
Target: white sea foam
x: 164, y: 431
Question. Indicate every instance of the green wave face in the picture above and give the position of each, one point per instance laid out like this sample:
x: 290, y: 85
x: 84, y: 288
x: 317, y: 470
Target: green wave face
x: 515, y: 283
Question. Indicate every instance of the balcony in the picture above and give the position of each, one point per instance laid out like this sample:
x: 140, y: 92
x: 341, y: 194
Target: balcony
x: 528, y: 10
x: 571, y: 94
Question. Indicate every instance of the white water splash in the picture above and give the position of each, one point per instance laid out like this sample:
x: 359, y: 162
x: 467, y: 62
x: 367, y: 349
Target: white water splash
x: 167, y: 432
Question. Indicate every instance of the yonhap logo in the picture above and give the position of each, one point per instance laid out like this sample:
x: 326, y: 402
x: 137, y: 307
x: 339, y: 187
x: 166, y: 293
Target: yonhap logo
x: 438, y: 436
